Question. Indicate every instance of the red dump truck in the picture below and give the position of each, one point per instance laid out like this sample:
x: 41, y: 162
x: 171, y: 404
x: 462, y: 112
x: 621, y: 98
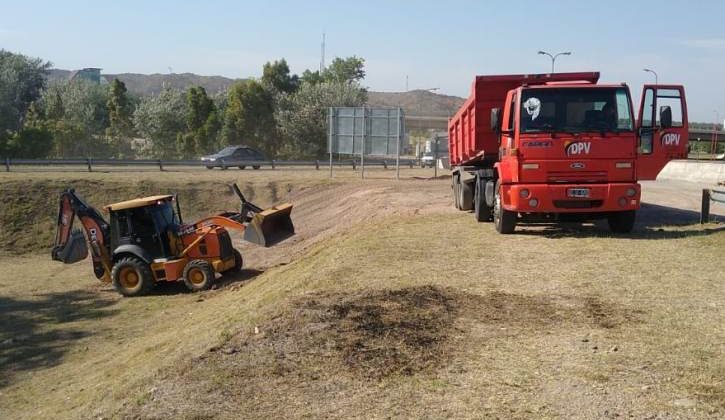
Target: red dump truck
x: 547, y: 147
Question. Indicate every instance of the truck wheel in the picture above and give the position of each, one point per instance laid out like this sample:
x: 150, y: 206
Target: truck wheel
x: 209, y: 167
x: 198, y: 275
x: 480, y: 209
x: 621, y: 221
x: 465, y: 196
x: 504, y: 220
x: 132, y: 277
x: 242, y: 167
x: 256, y: 166
x: 454, y: 186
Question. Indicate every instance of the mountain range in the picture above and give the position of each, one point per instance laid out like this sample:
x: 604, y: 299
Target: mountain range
x: 414, y: 102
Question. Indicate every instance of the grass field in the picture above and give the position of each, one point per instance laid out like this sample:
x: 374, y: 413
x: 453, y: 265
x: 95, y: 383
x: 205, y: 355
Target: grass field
x: 407, y: 309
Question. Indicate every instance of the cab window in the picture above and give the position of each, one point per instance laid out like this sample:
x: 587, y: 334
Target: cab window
x: 671, y: 98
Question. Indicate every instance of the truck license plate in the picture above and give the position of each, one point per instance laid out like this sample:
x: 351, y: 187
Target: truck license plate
x: 578, y: 192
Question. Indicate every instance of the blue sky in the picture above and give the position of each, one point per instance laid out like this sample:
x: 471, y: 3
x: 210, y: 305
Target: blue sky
x: 437, y: 44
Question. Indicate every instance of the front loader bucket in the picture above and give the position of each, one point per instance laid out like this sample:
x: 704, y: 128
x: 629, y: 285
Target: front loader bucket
x: 270, y: 226
x: 74, y: 250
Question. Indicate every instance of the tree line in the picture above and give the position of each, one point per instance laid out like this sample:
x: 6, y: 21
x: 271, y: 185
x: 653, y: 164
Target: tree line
x: 284, y: 115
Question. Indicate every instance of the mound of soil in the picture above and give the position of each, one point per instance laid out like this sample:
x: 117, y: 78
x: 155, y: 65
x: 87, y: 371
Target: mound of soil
x: 370, y: 335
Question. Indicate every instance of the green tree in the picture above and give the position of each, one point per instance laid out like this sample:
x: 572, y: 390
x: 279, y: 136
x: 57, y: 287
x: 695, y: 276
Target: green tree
x: 120, y: 113
x: 350, y: 70
x: 302, y: 116
x: 30, y: 143
x: 249, y: 117
x: 159, y: 120
x: 202, y: 124
x: 311, y: 77
x: 75, y: 113
x: 277, y: 75
x: 22, y: 80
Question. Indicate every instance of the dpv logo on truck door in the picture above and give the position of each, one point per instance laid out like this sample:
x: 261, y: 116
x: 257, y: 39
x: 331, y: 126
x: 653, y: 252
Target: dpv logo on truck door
x: 578, y: 148
x: 670, y: 139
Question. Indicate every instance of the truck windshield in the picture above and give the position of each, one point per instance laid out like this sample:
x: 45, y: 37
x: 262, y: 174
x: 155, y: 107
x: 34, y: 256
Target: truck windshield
x: 575, y: 110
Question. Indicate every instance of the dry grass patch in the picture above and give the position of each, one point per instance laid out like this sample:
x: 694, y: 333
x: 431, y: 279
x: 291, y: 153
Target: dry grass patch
x: 379, y: 341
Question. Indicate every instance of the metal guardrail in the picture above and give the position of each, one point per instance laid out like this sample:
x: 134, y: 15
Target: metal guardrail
x: 89, y: 163
x: 709, y: 195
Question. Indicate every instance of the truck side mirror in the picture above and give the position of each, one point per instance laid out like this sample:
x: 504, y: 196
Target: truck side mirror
x: 665, y: 116
x: 496, y: 120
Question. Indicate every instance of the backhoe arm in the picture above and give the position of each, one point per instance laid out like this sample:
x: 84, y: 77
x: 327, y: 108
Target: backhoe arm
x: 70, y: 244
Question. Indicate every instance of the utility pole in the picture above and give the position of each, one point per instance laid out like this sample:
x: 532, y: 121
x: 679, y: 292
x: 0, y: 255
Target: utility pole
x: 322, y: 54
x: 553, y: 57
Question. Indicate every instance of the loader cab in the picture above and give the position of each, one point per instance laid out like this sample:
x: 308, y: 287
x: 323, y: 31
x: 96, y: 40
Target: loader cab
x: 145, y: 227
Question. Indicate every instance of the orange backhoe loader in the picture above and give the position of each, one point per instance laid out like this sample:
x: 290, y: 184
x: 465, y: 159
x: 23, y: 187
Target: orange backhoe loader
x: 146, y: 241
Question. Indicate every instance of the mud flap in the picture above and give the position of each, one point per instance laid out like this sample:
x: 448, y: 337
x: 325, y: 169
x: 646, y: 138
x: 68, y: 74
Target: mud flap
x: 270, y: 226
x: 74, y: 250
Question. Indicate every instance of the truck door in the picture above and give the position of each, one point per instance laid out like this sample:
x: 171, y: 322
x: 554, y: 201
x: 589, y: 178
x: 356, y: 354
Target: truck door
x: 663, y: 129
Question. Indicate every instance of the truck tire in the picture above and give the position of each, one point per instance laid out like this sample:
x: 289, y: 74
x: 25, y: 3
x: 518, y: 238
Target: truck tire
x: 503, y: 220
x: 132, y: 277
x: 465, y: 196
x: 242, y: 167
x: 454, y: 186
x: 198, y: 275
x: 481, y: 210
x: 621, y: 221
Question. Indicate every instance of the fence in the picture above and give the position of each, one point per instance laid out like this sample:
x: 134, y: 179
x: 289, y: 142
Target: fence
x: 89, y: 163
x: 709, y: 195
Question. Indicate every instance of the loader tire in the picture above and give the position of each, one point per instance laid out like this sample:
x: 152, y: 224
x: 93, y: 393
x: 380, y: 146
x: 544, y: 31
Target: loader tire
x: 621, y: 221
x: 503, y: 220
x: 238, y: 262
x: 198, y: 275
x: 132, y: 277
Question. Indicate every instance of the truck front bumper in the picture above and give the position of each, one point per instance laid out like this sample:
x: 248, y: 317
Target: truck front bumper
x: 567, y: 198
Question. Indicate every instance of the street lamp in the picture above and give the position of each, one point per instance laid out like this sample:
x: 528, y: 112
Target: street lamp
x: 713, y: 143
x: 553, y: 57
x: 653, y: 72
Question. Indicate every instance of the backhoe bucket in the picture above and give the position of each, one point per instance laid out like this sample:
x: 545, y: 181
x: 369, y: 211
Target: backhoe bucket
x: 74, y: 250
x: 270, y: 226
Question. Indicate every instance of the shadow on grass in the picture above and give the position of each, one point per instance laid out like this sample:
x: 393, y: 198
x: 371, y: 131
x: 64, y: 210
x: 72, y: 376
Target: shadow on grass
x: 653, y: 222
x: 226, y: 280
x: 36, y: 334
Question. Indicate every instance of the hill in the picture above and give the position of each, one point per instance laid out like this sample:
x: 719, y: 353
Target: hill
x: 151, y: 84
x: 415, y: 102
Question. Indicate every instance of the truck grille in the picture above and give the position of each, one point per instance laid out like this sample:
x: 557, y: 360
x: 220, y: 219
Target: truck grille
x: 225, y: 245
x: 577, y: 177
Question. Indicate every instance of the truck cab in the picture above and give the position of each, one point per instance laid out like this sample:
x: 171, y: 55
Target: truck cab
x: 567, y: 148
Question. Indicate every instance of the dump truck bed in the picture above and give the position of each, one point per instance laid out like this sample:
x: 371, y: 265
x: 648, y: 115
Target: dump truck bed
x: 470, y: 138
